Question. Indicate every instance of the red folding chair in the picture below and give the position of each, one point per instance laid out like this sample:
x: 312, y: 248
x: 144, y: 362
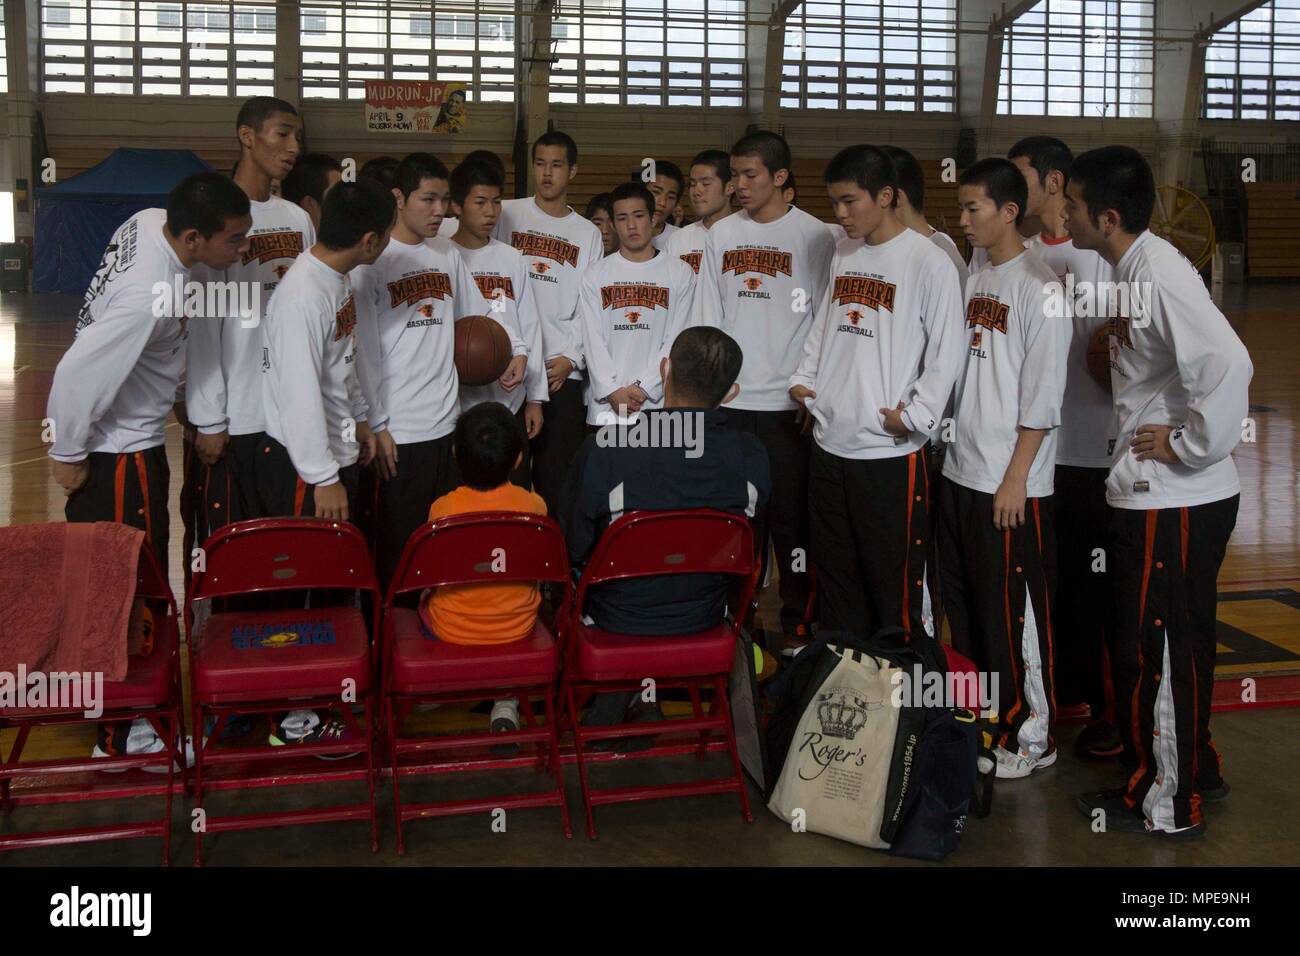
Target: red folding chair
x: 645, y: 544
x: 271, y: 661
x: 151, y: 689
x: 464, y: 549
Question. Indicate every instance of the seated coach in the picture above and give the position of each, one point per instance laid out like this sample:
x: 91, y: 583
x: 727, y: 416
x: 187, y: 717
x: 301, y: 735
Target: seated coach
x: 712, y: 467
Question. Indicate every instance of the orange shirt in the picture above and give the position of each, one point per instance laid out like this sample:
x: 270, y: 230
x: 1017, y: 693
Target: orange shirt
x: 483, y: 613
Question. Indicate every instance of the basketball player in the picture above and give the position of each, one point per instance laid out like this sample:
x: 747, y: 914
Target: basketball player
x: 1180, y: 377
x: 995, y: 508
x: 764, y: 273
x: 667, y: 188
x: 407, y: 302
x: 876, y: 373
x: 911, y: 208
x: 316, y: 426
x: 312, y: 176
x: 631, y: 307
x: 709, y: 189
x: 115, y: 385
x: 1084, y: 610
x: 559, y: 246
x: 502, y: 277
x: 449, y: 223
x: 223, y: 392
x: 601, y: 215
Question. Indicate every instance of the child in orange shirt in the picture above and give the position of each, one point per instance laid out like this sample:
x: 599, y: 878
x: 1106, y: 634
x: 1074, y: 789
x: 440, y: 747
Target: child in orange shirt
x: 488, y: 444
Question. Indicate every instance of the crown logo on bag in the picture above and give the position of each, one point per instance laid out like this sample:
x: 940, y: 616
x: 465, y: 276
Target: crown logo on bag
x: 842, y: 713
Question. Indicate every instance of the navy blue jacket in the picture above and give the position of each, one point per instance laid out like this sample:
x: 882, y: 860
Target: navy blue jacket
x: 604, y: 483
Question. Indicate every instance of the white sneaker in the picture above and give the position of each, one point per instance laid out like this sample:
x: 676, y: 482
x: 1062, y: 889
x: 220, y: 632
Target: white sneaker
x: 505, y: 719
x: 138, y: 746
x: 1012, y: 766
x: 505, y: 716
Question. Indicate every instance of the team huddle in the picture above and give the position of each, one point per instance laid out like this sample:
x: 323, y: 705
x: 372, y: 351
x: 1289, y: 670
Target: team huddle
x: 1007, y: 445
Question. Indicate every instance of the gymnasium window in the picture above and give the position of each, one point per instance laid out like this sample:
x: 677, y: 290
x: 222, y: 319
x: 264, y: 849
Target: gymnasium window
x: 4, y: 54
x: 146, y: 48
x: 1079, y: 58
x: 649, y: 52
x: 1252, y: 66
x: 893, y: 55
x: 346, y: 42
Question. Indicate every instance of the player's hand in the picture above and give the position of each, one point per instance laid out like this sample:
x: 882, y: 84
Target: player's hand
x: 639, y: 395
x: 557, y: 370
x: 1009, y: 504
x: 1151, y: 443
x: 514, y: 373
x: 332, y: 501
x: 623, y: 402
x: 71, y: 475
x: 385, y: 454
x: 894, y: 423
x: 366, y: 439
x: 210, y: 448
x: 802, y: 416
x: 533, y: 419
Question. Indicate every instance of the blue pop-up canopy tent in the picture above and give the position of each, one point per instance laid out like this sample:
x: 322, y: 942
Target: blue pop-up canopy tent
x: 76, y: 218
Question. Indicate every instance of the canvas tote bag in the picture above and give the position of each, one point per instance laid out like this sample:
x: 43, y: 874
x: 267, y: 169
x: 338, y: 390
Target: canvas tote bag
x: 837, y: 768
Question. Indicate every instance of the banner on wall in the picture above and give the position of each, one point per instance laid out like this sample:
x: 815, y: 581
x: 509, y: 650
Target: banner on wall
x: 415, y: 106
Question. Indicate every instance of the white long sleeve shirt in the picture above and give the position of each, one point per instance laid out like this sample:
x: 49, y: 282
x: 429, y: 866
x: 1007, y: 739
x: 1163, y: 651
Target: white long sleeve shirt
x: 558, y: 251
x: 114, y: 387
x: 502, y: 277
x: 1086, y: 410
x: 1014, y: 376
x: 408, y: 301
x: 889, y: 330
x: 630, y: 313
x: 1174, y: 361
x: 309, y: 381
x: 223, y: 379
x: 687, y: 244
x: 753, y: 282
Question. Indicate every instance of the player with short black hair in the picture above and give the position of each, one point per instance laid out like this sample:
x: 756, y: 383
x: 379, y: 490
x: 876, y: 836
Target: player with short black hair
x: 1180, y: 378
x: 710, y: 189
x: 911, y: 207
x: 1085, y: 607
x: 667, y: 188
x: 631, y: 306
x: 223, y: 392
x: 559, y: 246
x: 762, y: 279
x: 115, y: 385
x: 502, y: 277
x: 601, y: 215
x: 316, y: 414
x: 310, y: 179
x: 407, y: 303
x: 876, y: 373
x: 995, y: 507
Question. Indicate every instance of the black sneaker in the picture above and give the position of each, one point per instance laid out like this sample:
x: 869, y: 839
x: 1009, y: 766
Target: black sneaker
x: 1215, y: 791
x: 1121, y: 818
x: 1099, y: 741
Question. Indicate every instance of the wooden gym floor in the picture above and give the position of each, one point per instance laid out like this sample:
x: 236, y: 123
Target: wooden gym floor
x: 1034, y: 821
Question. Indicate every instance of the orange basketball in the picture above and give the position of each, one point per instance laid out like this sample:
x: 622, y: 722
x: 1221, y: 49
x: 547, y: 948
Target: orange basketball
x: 482, y: 350
x: 1099, y: 356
